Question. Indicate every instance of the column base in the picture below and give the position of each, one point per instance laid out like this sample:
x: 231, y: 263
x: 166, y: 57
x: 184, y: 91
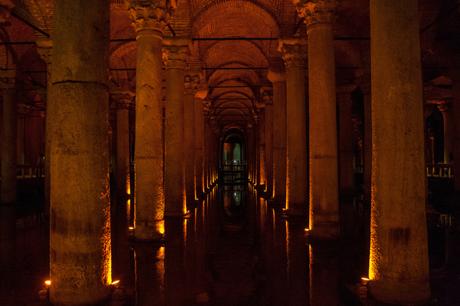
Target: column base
x: 324, y: 231
x: 147, y: 232
x: 400, y: 291
x: 294, y: 211
x: 101, y: 300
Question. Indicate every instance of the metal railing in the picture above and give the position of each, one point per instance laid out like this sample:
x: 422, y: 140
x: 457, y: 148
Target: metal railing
x: 440, y: 171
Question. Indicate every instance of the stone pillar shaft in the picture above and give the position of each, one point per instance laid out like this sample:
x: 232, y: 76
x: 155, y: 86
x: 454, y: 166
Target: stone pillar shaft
x: 199, y: 148
x: 8, y: 147
x: 269, y: 149
x: 323, y: 174
x: 174, y: 132
x: 122, y: 158
x: 80, y: 247
x: 149, y: 21
x: 261, y: 128
x: 398, y: 267
x: 189, y: 136
x: 279, y: 141
x: 447, y: 128
x: 296, y: 146
x: 456, y: 119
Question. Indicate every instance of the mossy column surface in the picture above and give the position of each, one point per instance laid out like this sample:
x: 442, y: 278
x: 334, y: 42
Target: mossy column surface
x: 398, y: 266
x: 80, y: 250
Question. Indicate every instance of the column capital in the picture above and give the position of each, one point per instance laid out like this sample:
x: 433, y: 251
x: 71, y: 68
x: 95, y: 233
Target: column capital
x: 5, y: 11
x: 316, y: 11
x: 150, y: 14
x: 293, y: 51
x: 175, y: 52
x: 123, y: 99
x: 44, y: 49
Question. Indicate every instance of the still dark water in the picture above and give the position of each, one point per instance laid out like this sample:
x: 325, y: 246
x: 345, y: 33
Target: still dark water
x: 235, y: 249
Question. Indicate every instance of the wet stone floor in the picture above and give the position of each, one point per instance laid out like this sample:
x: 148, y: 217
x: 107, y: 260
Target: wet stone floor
x: 235, y: 249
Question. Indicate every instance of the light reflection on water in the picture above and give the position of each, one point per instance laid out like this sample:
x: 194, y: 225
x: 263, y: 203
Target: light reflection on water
x: 235, y: 249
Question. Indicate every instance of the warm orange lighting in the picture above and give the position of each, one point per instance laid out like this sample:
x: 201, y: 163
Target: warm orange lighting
x: 114, y: 283
x: 131, y: 228
x: 160, y: 226
x: 48, y: 282
x: 364, y: 281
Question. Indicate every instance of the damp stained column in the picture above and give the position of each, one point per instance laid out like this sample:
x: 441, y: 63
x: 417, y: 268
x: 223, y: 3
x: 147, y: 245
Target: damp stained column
x: 398, y: 267
x: 268, y: 118
x: 278, y: 80
x: 8, y: 141
x: 445, y: 110
x: 261, y: 129
x: 80, y: 251
x: 189, y: 135
x: 199, y: 147
x: 175, y: 55
x: 149, y: 20
x: 293, y: 52
x: 123, y: 105
x: 323, y: 168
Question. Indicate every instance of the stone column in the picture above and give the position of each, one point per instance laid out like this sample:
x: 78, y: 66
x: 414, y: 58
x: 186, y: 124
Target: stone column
x: 346, y: 173
x: 191, y: 86
x: 445, y: 110
x: 149, y: 20
x: 44, y: 49
x: 175, y: 55
x: 21, y: 113
x: 278, y: 80
x: 293, y: 51
x: 398, y: 265
x: 124, y: 102
x: 8, y: 140
x: 261, y: 144
x: 268, y: 101
x: 199, y: 148
x: 80, y: 249
x: 324, y: 202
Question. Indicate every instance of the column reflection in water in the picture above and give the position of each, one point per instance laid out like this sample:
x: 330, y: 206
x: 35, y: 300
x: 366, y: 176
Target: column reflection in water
x: 296, y: 264
x: 150, y: 274
x: 7, y: 253
x: 324, y: 275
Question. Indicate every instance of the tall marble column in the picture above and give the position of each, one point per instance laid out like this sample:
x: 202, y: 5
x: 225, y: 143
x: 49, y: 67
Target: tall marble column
x: 445, y: 110
x: 44, y: 49
x: 124, y: 102
x: 346, y: 172
x: 268, y: 118
x: 80, y: 249
x: 293, y: 52
x: 8, y: 140
x: 149, y: 21
x: 191, y: 86
x: 199, y: 148
x: 175, y: 200
x: 278, y: 80
x: 398, y: 265
x: 261, y: 144
x: 324, y: 201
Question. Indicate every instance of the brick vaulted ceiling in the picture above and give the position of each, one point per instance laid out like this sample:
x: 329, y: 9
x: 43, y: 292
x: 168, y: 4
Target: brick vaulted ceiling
x: 235, y: 42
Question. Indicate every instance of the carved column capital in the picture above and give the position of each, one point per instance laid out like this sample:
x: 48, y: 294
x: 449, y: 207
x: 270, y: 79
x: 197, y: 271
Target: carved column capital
x: 293, y: 51
x: 316, y: 11
x: 175, y: 55
x: 150, y: 14
x: 266, y: 95
x: 123, y: 99
x: 192, y: 82
x: 44, y: 49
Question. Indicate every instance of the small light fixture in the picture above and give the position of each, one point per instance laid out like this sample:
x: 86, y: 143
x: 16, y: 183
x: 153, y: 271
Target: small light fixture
x: 48, y: 283
x: 115, y: 283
